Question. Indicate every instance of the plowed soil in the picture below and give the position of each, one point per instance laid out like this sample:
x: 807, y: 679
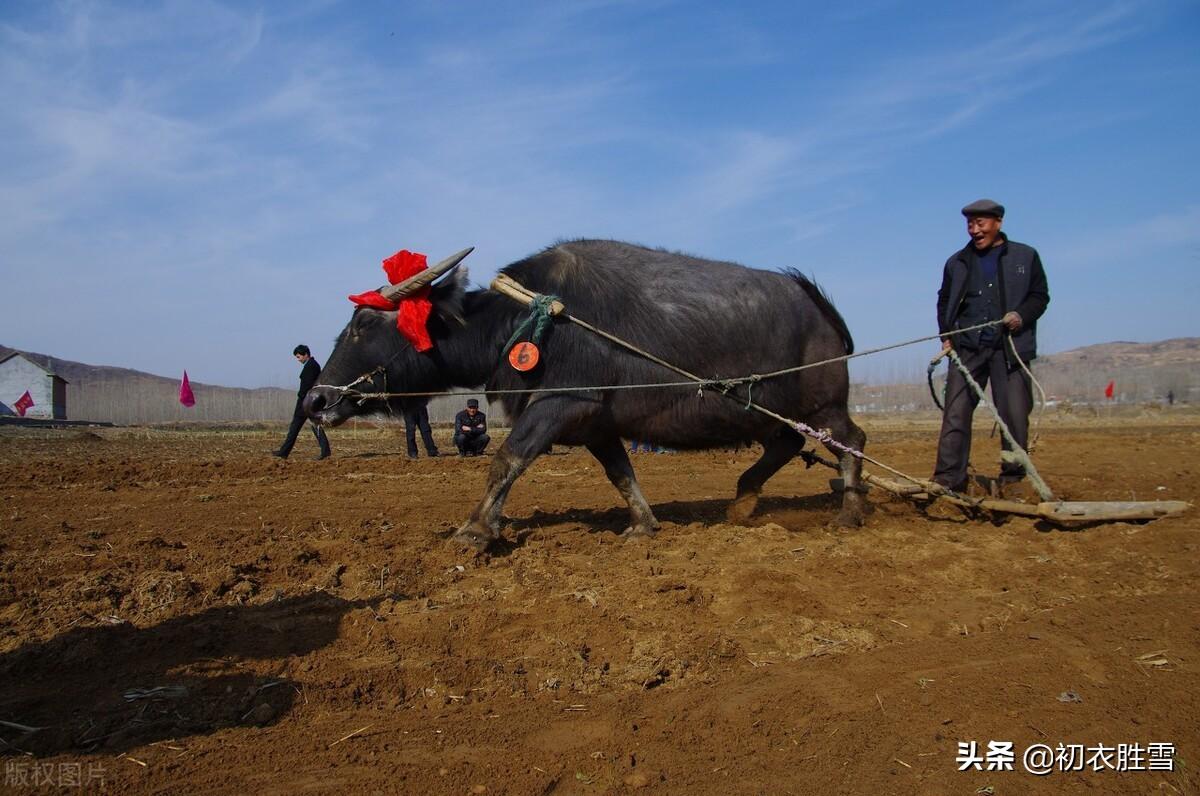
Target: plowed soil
x: 310, y: 629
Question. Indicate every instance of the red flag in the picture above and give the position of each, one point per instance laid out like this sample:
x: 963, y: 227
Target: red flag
x: 1108, y: 391
x: 23, y: 403
x: 185, y: 392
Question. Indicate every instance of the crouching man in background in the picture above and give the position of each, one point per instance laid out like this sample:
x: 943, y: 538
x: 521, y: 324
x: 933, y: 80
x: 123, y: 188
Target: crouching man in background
x: 470, y: 430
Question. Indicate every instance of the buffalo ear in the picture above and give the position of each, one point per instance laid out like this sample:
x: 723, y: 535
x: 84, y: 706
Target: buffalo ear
x: 447, y: 295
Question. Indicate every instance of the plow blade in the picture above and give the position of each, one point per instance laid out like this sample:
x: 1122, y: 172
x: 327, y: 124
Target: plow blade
x: 1110, y: 511
x: 1059, y: 511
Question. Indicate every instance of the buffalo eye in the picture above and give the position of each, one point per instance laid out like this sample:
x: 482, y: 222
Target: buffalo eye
x: 363, y: 320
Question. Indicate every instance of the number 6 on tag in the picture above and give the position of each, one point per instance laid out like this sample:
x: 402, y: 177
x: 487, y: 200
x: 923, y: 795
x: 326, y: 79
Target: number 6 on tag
x: 524, y: 357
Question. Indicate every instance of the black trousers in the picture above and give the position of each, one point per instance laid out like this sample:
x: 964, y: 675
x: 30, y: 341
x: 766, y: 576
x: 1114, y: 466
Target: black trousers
x: 1012, y: 395
x: 298, y: 420
x: 418, y: 419
x: 471, y: 444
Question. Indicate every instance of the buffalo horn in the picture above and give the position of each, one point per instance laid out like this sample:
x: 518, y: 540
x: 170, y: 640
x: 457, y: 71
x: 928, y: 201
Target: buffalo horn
x: 424, y: 278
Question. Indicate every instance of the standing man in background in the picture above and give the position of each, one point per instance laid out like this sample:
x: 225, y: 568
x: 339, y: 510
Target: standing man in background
x: 990, y: 279
x: 308, y: 378
x: 416, y: 416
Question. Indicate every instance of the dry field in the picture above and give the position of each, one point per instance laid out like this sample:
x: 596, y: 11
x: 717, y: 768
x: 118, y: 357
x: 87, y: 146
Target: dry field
x: 310, y: 630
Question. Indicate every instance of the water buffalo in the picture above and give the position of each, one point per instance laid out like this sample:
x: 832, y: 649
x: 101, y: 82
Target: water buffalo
x: 714, y: 319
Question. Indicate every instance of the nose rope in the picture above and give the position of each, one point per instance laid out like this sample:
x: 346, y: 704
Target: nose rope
x: 348, y: 389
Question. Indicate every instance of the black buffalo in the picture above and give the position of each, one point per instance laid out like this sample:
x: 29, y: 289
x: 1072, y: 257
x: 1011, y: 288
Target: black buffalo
x: 714, y: 319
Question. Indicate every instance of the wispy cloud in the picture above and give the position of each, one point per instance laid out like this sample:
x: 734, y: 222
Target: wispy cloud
x: 862, y: 123
x: 1130, y: 245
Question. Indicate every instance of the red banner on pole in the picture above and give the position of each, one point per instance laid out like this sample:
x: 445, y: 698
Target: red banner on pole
x: 23, y: 403
x: 1108, y: 391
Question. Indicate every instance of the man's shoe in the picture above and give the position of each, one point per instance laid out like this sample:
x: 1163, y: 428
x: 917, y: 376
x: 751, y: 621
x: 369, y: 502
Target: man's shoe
x: 321, y: 456
x: 279, y: 454
x: 960, y: 488
x: 412, y: 457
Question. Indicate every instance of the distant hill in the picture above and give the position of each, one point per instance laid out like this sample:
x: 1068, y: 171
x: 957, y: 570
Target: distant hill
x: 1139, y: 371
x: 80, y: 371
x: 1166, y: 353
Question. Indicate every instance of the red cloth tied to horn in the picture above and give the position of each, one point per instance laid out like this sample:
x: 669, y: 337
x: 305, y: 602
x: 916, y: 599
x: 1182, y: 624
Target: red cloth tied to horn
x: 413, y: 310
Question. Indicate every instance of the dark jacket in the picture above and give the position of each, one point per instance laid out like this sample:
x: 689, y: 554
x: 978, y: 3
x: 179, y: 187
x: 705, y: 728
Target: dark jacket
x: 478, y: 423
x: 308, y: 376
x: 1023, y: 290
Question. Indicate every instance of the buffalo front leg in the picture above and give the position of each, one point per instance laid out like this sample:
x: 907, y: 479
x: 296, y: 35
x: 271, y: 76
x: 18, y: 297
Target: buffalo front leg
x: 532, y: 434
x: 778, y: 451
x: 611, y: 454
x: 483, y: 527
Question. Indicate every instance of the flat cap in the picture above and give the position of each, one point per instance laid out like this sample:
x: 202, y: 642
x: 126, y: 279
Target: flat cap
x: 472, y: 403
x: 984, y: 207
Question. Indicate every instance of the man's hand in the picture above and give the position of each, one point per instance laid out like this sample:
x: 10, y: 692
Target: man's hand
x: 946, y: 345
x: 465, y: 428
x: 1012, y: 321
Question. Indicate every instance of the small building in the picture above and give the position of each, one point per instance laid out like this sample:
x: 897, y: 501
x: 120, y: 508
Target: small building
x: 19, y: 373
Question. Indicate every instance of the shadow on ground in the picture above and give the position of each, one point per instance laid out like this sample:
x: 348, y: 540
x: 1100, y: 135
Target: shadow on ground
x: 95, y: 687
x: 682, y: 512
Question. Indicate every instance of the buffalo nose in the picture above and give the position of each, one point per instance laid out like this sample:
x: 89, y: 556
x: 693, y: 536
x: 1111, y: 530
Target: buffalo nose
x: 317, y: 400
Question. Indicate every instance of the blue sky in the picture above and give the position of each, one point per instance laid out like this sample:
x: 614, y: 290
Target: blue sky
x: 200, y: 184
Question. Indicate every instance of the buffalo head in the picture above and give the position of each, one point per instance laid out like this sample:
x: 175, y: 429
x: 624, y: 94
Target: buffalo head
x: 372, y: 356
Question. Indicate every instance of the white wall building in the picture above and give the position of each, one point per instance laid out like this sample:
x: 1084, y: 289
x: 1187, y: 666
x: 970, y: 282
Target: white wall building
x: 48, y: 391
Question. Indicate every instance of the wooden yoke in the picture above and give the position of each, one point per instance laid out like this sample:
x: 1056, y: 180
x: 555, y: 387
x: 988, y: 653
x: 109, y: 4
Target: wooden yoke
x: 515, y: 290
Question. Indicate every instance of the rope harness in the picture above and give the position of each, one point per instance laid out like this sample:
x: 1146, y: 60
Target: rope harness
x: 1017, y: 454
x: 539, y: 319
x: 722, y: 386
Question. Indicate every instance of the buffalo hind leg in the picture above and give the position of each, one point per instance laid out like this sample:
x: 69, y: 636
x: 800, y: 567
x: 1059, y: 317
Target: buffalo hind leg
x: 844, y: 430
x: 778, y: 451
x: 611, y: 453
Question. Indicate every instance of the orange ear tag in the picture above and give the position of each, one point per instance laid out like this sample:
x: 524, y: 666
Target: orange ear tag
x: 524, y: 357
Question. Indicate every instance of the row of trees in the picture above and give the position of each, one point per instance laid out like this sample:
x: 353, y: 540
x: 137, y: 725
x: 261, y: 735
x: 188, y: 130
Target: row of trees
x: 1081, y: 383
x: 140, y: 401
x: 1075, y: 383
x: 136, y: 401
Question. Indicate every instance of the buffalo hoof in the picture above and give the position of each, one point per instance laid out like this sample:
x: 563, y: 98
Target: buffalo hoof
x: 640, y: 532
x: 848, y: 518
x: 475, y: 536
x: 741, y: 508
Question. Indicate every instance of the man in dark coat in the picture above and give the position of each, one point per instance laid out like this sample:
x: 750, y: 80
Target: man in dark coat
x: 308, y: 378
x: 990, y: 279
x: 470, y: 430
x: 416, y: 416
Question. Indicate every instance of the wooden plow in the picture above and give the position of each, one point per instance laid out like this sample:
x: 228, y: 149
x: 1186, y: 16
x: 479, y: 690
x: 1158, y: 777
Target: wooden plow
x: 1061, y: 512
